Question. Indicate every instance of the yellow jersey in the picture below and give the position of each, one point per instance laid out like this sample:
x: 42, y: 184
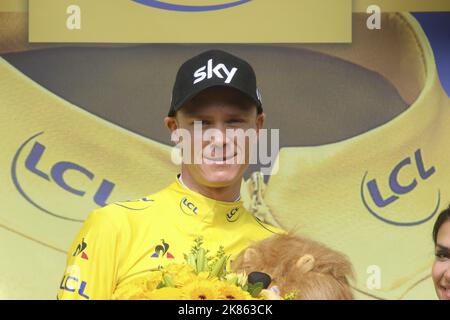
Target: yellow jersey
x: 124, y: 240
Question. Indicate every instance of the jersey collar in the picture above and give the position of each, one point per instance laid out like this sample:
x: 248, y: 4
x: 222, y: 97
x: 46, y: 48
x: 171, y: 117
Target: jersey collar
x: 206, y: 210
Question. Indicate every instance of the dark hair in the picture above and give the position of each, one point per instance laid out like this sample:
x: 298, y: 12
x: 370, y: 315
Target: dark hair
x: 443, y: 217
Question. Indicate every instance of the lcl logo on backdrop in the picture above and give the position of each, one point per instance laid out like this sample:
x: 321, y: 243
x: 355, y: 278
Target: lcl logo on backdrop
x: 417, y: 173
x: 192, y: 7
x: 33, y: 152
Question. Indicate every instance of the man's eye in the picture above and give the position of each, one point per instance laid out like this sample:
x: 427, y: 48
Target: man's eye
x: 442, y: 256
x: 200, y: 122
x: 235, y: 121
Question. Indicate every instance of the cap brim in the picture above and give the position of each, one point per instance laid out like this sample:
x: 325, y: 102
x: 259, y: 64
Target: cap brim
x: 210, y: 84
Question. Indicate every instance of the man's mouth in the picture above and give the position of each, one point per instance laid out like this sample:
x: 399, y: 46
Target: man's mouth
x: 218, y: 160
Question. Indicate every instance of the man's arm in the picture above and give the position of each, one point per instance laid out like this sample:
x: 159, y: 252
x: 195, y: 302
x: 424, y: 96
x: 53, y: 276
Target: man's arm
x: 91, y: 268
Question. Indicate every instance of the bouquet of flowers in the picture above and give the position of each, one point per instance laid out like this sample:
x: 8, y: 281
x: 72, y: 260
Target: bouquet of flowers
x: 202, y: 276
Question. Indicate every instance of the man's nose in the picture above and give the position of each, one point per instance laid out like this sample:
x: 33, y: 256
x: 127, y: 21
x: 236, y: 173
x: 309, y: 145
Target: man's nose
x: 221, y: 139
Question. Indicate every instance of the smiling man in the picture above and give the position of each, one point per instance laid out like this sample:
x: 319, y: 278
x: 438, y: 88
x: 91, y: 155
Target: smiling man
x: 215, y: 92
x: 441, y: 267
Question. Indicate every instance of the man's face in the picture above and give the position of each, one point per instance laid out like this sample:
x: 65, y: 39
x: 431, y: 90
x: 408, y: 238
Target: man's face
x: 217, y: 159
x: 441, y: 267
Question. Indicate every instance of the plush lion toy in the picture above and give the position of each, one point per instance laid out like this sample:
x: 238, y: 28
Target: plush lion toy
x: 301, y: 265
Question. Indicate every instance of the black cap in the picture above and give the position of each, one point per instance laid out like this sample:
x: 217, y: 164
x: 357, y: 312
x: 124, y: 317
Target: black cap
x: 213, y: 68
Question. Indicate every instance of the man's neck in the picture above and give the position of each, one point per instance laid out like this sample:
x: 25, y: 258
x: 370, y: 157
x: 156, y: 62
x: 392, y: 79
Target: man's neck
x: 228, y: 194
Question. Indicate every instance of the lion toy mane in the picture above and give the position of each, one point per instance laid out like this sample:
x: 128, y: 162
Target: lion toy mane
x: 300, y: 265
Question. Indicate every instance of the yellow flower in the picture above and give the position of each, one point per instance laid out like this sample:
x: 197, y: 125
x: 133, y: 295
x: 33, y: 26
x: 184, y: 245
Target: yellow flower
x: 153, y: 279
x: 181, y: 273
x: 232, y: 292
x: 201, y: 290
x: 184, y: 278
x: 204, y: 275
x: 130, y: 290
x: 175, y: 268
x: 291, y: 295
x: 137, y: 288
x: 166, y: 293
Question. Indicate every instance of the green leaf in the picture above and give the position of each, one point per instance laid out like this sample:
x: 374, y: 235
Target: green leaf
x: 200, y: 266
x: 255, y: 289
x: 168, y: 281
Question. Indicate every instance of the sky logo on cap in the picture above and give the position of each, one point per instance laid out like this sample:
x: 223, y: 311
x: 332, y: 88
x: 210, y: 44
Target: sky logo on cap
x: 220, y: 70
x: 166, y: 5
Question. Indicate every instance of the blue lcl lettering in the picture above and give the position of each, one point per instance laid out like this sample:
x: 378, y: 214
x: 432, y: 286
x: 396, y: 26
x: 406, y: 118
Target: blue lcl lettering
x: 81, y: 289
x: 59, y: 169
x: 395, y: 186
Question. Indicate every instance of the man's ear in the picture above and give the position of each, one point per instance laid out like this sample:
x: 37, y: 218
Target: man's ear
x: 260, y: 119
x: 173, y: 126
x: 171, y: 123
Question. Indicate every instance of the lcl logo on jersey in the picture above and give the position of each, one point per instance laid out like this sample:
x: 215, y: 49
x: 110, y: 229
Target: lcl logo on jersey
x: 232, y: 216
x: 71, y: 283
x: 416, y: 171
x: 209, y: 70
x: 36, y: 166
x: 172, y: 6
x: 188, y: 207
